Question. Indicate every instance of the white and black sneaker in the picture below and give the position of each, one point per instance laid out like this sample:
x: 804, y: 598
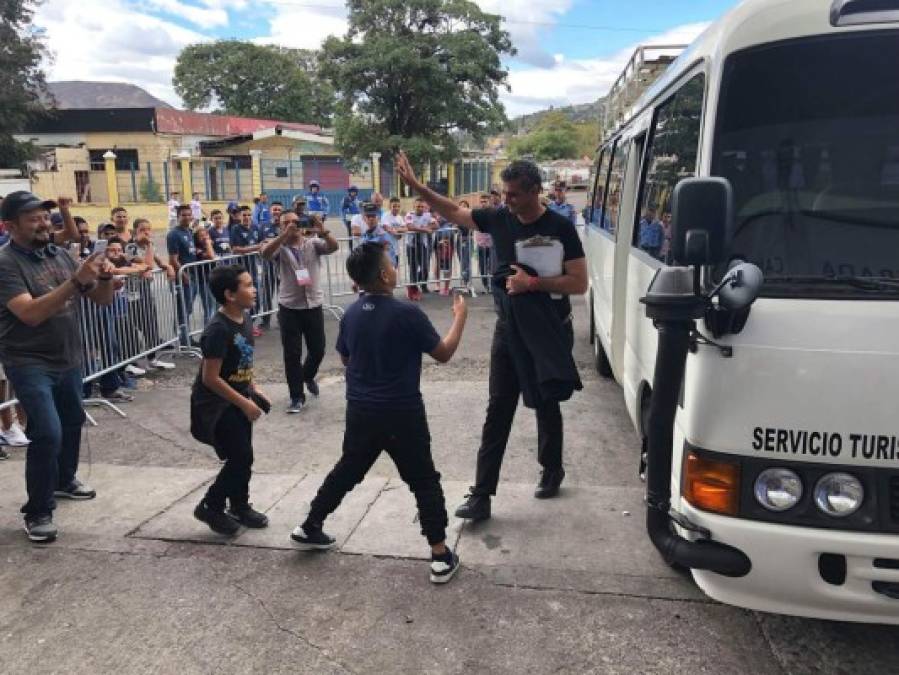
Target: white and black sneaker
x: 75, y: 490
x: 296, y: 406
x: 444, y: 567
x: 40, y: 529
x: 312, y: 539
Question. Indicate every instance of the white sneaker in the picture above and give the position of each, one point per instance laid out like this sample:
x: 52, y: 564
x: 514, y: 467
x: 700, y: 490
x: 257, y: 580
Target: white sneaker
x: 162, y: 365
x: 131, y: 369
x: 15, y: 437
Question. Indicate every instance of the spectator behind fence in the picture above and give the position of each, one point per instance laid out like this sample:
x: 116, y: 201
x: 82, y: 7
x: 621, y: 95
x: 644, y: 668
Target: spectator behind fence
x: 40, y: 349
x: 205, y: 253
x: 463, y: 249
x: 374, y: 233
x: 13, y: 419
x: 119, y: 217
x: 173, y: 204
x: 225, y: 402
x: 182, y: 251
x: 196, y: 208
x: 245, y: 240
x: 349, y: 207
x: 395, y: 225
x: 484, y: 242
x: 444, y: 247
x: 233, y: 214
x: 85, y: 243
x: 533, y: 332
x: 220, y: 234
x: 261, y: 215
x: 317, y: 203
x: 128, y: 305
x: 297, y: 253
x: 142, y: 248
x: 420, y: 223
x: 269, y: 285
x: 381, y: 342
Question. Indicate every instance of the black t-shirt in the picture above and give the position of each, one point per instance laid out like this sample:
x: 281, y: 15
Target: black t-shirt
x: 232, y: 343
x: 384, y: 340
x: 506, y: 229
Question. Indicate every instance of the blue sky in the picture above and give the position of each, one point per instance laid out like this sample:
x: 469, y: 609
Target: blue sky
x: 569, y: 50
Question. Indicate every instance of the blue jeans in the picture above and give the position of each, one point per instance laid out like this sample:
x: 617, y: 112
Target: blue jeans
x: 184, y: 313
x: 52, y: 401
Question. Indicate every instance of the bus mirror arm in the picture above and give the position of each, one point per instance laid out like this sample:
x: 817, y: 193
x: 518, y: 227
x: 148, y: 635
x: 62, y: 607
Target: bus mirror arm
x: 673, y: 307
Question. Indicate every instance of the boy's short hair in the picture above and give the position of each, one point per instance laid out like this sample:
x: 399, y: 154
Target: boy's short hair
x: 395, y: 200
x: 419, y: 199
x: 184, y: 207
x: 216, y: 212
x: 225, y: 278
x: 245, y: 208
x: 117, y: 209
x: 138, y: 222
x: 116, y: 240
x: 276, y: 203
x: 364, y: 263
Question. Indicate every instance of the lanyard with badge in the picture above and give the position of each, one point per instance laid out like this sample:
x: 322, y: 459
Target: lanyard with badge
x: 302, y: 274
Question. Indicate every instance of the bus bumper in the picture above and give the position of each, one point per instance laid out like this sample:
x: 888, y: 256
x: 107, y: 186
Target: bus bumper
x: 785, y: 576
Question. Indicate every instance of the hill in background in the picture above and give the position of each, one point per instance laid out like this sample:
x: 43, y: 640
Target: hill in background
x: 78, y: 94
x: 584, y: 112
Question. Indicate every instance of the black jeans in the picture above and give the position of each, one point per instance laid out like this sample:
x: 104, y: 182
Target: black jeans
x: 405, y: 436
x: 233, y: 442
x: 298, y: 325
x: 504, y: 393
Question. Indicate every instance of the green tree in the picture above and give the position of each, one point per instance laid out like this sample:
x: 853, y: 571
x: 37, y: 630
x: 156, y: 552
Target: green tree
x: 554, y: 137
x: 242, y: 78
x: 21, y: 78
x: 416, y: 73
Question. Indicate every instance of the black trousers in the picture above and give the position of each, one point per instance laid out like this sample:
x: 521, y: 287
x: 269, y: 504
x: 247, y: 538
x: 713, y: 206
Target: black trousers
x: 298, y: 325
x: 504, y: 394
x: 404, y: 435
x: 233, y: 442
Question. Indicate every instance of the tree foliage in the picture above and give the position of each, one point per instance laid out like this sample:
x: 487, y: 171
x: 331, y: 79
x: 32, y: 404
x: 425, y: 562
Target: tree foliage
x: 21, y: 78
x: 554, y: 137
x: 249, y: 80
x: 414, y: 73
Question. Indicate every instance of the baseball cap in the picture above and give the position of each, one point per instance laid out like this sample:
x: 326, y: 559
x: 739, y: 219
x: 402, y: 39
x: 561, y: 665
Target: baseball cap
x: 299, y: 199
x: 21, y: 201
x: 314, y: 183
x: 105, y: 227
x: 370, y: 209
x: 353, y: 188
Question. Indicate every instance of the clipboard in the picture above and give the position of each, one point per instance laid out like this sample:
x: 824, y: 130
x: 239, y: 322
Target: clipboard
x: 544, y: 254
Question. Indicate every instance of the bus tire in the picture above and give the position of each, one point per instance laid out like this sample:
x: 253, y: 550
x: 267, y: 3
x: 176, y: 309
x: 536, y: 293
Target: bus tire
x: 600, y: 360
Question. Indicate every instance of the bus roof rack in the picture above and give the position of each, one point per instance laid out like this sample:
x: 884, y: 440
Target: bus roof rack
x: 857, y: 12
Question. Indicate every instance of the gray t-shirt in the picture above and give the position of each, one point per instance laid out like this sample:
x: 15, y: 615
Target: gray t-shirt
x: 300, y: 272
x: 56, y: 343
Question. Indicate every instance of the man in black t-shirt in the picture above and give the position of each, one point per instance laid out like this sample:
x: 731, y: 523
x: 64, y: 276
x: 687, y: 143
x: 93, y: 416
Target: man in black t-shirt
x: 224, y: 402
x: 522, y: 217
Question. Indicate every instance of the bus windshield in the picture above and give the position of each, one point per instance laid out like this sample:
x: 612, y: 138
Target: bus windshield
x: 808, y: 135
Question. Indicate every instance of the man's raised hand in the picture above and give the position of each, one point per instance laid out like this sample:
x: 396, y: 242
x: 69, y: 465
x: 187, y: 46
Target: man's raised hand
x: 404, y: 169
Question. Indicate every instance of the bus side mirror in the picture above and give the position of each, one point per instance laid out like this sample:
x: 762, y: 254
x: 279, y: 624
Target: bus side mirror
x: 702, y: 216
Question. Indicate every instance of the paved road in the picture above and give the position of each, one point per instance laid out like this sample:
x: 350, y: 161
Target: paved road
x: 571, y: 585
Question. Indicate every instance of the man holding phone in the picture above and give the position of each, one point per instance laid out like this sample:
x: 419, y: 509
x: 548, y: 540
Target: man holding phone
x: 297, y: 253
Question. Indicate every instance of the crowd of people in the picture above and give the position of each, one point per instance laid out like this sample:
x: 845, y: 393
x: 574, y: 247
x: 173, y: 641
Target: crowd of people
x: 51, y: 262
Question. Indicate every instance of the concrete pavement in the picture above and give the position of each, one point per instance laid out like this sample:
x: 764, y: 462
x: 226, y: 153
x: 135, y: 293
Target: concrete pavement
x: 135, y: 584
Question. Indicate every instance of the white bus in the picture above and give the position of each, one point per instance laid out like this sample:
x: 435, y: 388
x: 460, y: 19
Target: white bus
x: 788, y: 449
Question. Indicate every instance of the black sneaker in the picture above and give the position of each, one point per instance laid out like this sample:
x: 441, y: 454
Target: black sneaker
x: 475, y: 508
x: 40, y: 528
x: 75, y: 490
x: 312, y: 386
x: 444, y: 567
x: 550, y: 480
x: 312, y: 539
x: 249, y: 517
x: 218, y: 521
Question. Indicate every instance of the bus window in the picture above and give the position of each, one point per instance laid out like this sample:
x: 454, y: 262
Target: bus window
x: 808, y: 136
x: 616, y: 182
x: 672, y: 156
x: 597, y: 217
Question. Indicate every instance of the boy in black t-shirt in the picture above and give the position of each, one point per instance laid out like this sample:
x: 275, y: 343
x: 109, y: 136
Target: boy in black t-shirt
x: 381, y: 341
x: 224, y: 402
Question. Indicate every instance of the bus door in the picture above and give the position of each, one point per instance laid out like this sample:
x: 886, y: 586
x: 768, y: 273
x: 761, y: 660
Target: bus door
x: 622, y: 193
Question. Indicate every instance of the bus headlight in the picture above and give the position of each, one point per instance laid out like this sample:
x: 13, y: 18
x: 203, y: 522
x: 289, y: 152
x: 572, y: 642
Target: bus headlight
x: 839, y: 494
x: 778, y: 489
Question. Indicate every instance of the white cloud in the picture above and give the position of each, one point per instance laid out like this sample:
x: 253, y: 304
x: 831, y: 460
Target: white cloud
x: 579, y: 80
x: 110, y: 41
x: 527, y: 21
x: 304, y: 27
x: 213, y: 14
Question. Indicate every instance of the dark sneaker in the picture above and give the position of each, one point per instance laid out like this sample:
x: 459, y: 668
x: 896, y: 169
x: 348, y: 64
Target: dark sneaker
x: 40, y: 528
x: 312, y: 539
x: 218, y: 521
x: 117, y: 396
x: 444, y: 567
x: 312, y: 386
x: 550, y: 480
x: 3, y: 454
x: 296, y: 406
x: 249, y: 517
x: 75, y: 490
x: 475, y: 508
